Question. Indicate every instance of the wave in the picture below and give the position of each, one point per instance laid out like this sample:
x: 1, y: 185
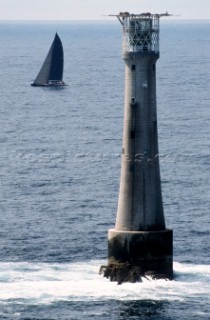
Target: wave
x: 45, y: 283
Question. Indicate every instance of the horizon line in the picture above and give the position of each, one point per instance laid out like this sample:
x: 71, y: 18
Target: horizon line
x: 89, y: 20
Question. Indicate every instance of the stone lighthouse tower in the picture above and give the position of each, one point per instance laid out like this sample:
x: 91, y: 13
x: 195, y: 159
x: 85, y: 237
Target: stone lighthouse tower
x: 140, y: 244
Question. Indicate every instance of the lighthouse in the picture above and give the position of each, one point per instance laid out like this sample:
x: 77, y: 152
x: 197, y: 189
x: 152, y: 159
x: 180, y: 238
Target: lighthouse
x: 140, y: 244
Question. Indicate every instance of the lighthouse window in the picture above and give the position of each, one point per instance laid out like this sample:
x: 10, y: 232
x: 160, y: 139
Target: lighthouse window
x: 133, y: 67
x: 131, y: 168
x: 132, y: 134
x: 133, y: 100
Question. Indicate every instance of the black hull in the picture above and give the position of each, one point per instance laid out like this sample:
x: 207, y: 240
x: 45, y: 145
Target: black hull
x: 49, y: 85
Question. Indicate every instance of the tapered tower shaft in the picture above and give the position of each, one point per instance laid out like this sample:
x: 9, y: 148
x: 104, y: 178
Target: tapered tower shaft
x: 140, y: 201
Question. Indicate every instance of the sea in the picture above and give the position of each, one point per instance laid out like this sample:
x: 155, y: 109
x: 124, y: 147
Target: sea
x: 60, y: 161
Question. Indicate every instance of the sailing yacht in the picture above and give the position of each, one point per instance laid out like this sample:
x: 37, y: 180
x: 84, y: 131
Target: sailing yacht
x: 51, y: 72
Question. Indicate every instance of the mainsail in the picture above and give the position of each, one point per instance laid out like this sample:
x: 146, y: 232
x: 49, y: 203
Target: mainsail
x: 51, y: 72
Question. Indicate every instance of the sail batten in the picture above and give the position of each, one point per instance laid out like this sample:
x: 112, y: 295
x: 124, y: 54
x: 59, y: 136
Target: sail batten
x: 51, y: 72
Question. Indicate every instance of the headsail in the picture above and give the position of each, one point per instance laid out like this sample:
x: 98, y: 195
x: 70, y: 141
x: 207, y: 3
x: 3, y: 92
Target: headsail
x: 51, y: 72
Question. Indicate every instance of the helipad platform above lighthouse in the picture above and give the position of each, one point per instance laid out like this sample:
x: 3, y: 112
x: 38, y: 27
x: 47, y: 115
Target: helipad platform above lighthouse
x: 140, y: 31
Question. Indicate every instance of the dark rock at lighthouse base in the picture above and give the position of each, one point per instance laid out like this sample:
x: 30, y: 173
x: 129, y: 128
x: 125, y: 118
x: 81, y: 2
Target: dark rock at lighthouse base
x: 122, y: 272
x: 125, y: 272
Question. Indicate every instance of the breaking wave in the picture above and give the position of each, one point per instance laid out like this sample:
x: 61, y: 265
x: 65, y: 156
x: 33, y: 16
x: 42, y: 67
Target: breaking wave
x: 45, y: 283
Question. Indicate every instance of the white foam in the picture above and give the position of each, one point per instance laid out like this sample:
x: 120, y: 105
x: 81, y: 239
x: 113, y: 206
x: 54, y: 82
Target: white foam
x: 46, y: 283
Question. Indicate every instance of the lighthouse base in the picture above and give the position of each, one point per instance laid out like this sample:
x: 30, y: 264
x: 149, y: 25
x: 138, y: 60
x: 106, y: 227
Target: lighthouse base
x: 136, y: 254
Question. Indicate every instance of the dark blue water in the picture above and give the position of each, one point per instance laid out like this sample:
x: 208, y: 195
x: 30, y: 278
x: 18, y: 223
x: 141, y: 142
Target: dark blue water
x: 60, y: 170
